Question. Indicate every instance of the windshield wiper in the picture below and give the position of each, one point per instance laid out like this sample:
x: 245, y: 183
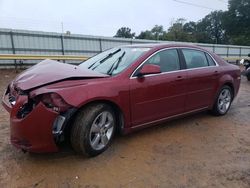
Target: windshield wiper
x: 104, y: 59
x: 116, y: 64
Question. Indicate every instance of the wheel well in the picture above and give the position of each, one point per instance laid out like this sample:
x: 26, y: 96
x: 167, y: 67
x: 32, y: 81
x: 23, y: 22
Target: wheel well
x: 118, y: 112
x: 229, y: 84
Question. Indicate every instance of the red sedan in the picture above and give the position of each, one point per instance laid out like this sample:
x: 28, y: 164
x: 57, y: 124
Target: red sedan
x: 124, y: 89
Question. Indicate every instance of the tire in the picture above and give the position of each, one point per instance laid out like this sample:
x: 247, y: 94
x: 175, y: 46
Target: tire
x: 93, y: 130
x: 223, y: 101
x: 248, y: 77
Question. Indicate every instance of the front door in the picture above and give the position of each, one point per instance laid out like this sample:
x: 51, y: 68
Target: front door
x: 153, y: 97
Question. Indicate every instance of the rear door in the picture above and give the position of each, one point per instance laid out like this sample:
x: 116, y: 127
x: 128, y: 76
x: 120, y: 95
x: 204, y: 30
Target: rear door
x: 160, y: 95
x: 202, y: 75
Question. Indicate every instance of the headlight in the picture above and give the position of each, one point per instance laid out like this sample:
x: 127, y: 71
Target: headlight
x: 50, y: 100
x: 25, y: 109
x: 55, y: 102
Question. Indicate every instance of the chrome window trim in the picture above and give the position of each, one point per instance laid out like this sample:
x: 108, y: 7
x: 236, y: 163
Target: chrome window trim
x: 181, y: 70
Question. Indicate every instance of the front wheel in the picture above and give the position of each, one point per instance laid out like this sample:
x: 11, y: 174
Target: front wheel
x: 93, y: 129
x: 223, y: 101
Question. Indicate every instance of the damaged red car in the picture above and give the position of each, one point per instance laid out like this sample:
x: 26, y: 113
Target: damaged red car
x: 120, y: 90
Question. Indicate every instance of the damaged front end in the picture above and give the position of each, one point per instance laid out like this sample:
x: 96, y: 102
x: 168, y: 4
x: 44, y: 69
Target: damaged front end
x: 37, y: 123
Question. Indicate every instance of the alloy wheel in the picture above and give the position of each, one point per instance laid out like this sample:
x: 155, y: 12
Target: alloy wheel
x: 101, y: 130
x: 224, y: 100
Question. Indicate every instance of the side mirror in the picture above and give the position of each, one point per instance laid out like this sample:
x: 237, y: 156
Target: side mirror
x: 149, y: 69
x: 248, y: 55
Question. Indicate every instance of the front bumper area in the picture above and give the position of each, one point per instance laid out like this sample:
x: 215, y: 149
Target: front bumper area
x: 32, y: 133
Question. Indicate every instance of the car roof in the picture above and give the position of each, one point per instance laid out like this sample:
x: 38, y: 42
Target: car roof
x: 162, y: 45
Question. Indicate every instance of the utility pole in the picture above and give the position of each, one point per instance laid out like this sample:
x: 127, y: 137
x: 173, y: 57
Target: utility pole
x: 62, y: 41
x: 62, y: 27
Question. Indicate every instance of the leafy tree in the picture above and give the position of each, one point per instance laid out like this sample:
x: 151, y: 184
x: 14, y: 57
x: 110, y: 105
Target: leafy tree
x: 124, y: 32
x: 190, y: 28
x: 177, y: 33
x: 229, y: 27
x: 156, y: 33
x: 145, y: 35
x: 237, y: 22
x: 211, y: 29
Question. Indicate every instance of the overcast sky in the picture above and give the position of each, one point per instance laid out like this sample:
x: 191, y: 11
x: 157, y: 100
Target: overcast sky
x: 101, y: 17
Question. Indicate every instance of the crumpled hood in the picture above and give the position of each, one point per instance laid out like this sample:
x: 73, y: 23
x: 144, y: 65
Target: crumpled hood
x: 49, y: 71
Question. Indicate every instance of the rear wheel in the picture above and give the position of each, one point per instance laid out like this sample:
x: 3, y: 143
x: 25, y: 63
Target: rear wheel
x: 248, y: 76
x: 223, y: 101
x: 93, y: 129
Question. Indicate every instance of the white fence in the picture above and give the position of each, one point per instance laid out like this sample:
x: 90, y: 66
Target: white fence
x: 47, y: 43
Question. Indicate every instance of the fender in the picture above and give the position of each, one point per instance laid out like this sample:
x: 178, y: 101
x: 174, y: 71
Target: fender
x: 225, y: 79
x: 89, y: 93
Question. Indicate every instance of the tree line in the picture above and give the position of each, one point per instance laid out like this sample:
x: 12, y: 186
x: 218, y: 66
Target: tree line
x: 218, y: 27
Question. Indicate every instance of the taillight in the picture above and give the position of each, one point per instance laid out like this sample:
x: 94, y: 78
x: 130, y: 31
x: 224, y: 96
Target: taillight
x: 55, y: 102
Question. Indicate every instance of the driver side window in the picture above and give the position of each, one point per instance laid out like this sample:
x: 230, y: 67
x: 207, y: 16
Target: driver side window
x: 168, y: 60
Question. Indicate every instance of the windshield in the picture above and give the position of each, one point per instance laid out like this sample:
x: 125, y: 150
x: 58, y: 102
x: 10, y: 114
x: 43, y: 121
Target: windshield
x: 114, y: 61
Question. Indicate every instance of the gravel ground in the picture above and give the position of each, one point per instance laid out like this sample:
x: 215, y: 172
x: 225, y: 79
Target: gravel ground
x: 197, y: 151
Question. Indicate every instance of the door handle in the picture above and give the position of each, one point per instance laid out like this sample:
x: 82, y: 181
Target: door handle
x: 179, y: 78
x: 216, y: 73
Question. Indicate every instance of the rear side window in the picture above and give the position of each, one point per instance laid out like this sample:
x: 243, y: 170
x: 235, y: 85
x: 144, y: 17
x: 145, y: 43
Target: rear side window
x: 168, y: 60
x: 195, y: 58
x: 210, y: 60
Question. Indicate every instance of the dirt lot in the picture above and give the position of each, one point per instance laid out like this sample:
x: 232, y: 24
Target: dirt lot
x: 197, y: 151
